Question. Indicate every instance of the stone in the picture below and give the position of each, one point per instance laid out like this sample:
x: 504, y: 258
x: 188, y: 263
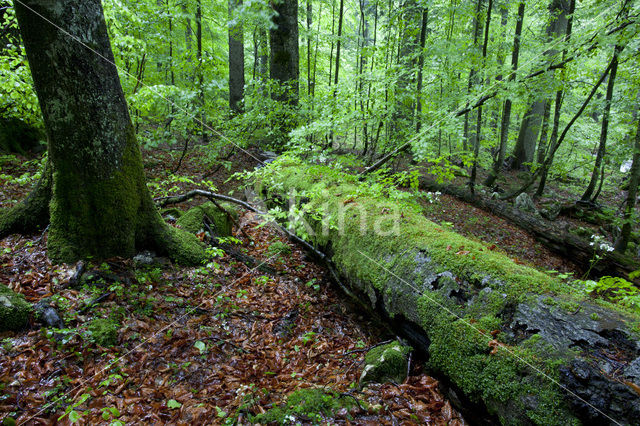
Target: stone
x: 47, y: 315
x: 386, y: 363
x: 14, y: 310
x: 524, y: 203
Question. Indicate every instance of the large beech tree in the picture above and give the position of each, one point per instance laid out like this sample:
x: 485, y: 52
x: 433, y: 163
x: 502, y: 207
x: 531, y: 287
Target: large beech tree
x: 99, y: 205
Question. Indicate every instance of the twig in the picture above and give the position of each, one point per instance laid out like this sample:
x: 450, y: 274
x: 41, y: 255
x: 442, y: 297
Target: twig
x: 184, y: 152
x: 368, y: 349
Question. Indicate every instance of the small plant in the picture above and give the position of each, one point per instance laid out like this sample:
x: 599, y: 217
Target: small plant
x: 616, y: 289
x: 307, y: 337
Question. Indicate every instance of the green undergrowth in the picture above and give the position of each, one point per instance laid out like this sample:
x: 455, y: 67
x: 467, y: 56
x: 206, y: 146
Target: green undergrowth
x: 306, y: 405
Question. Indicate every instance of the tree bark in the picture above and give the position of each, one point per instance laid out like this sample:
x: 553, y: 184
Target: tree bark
x: 632, y: 194
x: 284, y: 58
x: 530, y: 127
x: 100, y: 206
x: 478, y: 135
x: 602, y: 146
x: 236, y: 60
x: 506, y: 109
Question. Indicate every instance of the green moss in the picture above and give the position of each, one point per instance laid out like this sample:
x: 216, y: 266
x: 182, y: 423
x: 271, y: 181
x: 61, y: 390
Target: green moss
x: 385, y: 363
x: 14, y: 310
x: 313, y: 405
x: 192, y: 220
x: 103, y: 331
x: 184, y: 248
x: 426, y: 259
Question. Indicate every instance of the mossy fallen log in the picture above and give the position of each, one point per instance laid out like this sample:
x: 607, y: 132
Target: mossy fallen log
x: 524, y: 345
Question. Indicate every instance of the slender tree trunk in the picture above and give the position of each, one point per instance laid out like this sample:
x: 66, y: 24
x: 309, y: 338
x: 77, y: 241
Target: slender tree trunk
x: 100, y: 204
x: 557, y: 110
x: 632, y: 193
x: 336, y: 76
x: 423, y: 39
x: 236, y: 60
x: 478, y: 136
x: 333, y: 26
x: 506, y: 110
x: 602, y: 147
x: 472, y: 72
x: 200, y: 72
x: 309, y: 23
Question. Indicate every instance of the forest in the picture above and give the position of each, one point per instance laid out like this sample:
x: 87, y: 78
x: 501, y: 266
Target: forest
x: 320, y: 212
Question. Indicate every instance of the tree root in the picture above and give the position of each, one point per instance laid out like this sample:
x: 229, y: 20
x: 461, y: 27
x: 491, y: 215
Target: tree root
x: 32, y: 213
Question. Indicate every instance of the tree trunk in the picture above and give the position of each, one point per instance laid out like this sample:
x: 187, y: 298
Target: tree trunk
x: 530, y: 127
x: 200, y: 71
x: 100, y: 206
x: 472, y: 73
x: 236, y: 60
x: 478, y: 135
x: 632, y: 193
x: 546, y: 164
x: 284, y: 58
x: 336, y: 75
x: 506, y: 109
x: 423, y: 38
x: 602, y: 147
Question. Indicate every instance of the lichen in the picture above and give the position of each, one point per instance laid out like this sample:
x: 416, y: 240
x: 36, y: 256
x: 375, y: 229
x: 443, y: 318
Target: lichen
x: 14, y: 310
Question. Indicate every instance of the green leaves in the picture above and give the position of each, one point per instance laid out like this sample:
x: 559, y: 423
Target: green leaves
x: 173, y: 404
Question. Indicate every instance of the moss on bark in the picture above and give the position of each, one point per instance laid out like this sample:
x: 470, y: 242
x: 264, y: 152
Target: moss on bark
x: 458, y: 292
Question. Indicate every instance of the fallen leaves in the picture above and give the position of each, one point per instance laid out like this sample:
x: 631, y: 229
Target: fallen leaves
x: 208, y: 349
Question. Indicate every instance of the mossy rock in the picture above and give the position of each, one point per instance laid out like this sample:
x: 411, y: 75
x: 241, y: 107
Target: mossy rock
x: 103, y: 332
x: 193, y: 220
x: 313, y: 406
x: 386, y: 363
x: 14, y: 310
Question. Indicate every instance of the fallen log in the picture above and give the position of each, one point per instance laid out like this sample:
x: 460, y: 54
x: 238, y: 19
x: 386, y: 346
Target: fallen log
x: 527, y: 347
x: 546, y: 232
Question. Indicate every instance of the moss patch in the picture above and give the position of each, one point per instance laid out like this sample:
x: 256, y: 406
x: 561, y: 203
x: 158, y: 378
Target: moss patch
x: 306, y: 405
x: 192, y: 220
x: 386, y: 363
x: 103, y: 332
x: 14, y: 310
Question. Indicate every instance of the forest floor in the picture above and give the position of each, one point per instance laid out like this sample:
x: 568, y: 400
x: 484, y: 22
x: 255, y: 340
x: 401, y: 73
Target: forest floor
x: 214, y: 344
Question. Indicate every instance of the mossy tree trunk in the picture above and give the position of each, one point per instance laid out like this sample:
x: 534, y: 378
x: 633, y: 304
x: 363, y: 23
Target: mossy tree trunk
x: 100, y: 205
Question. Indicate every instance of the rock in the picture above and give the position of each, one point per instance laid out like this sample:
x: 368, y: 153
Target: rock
x: 14, y: 310
x: 193, y: 220
x: 47, y: 315
x: 286, y: 325
x: 386, y: 363
x: 148, y: 258
x: 551, y: 212
x: 524, y: 203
